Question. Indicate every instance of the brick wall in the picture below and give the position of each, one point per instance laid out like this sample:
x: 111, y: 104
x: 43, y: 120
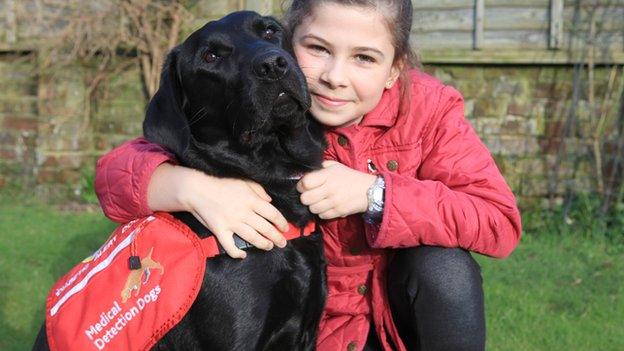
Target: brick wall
x: 51, y: 134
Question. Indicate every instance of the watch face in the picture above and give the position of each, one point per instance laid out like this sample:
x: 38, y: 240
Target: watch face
x: 378, y: 195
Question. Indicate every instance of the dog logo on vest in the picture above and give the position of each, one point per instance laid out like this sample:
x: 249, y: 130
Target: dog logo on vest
x: 140, y: 276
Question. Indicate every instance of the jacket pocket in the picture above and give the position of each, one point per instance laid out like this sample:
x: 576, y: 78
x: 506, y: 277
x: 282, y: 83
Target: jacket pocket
x: 348, y: 290
x: 401, y: 159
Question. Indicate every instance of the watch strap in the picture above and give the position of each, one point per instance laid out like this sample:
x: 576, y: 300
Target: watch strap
x: 376, y: 197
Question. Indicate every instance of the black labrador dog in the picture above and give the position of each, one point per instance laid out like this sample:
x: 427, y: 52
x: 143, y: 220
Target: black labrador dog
x: 232, y: 103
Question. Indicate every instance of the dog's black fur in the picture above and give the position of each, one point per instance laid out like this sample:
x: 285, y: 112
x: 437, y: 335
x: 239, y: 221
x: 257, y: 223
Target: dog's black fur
x: 232, y: 103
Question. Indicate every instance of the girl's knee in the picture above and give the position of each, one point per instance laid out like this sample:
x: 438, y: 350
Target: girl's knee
x: 450, y: 274
x: 437, y: 298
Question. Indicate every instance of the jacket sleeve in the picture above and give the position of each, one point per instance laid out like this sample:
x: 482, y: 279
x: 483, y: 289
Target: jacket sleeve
x: 458, y: 198
x: 122, y: 177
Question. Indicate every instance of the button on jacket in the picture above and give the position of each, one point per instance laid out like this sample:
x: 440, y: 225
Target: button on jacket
x: 442, y: 188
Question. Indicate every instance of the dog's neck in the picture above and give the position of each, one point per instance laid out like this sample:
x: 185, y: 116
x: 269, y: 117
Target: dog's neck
x: 265, y: 165
x: 271, y: 164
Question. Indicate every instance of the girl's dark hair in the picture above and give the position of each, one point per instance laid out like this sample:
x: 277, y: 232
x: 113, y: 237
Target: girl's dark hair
x: 398, y: 15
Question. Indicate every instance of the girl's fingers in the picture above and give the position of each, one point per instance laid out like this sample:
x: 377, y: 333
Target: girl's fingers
x: 223, y: 236
x: 259, y: 190
x: 251, y: 217
x: 227, y: 242
x: 313, y: 196
x: 331, y: 214
x: 310, y: 181
x: 271, y: 214
x: 198, y: 216
x: 321, y: 206
x: 251, y: 236
x: 267, y: 230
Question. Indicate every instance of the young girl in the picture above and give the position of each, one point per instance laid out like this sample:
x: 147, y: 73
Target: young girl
x: 407, y: 187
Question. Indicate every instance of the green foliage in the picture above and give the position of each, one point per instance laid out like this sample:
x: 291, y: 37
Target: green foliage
x: 581, y: 217
x: 12, y: 173
x: 87, y: 186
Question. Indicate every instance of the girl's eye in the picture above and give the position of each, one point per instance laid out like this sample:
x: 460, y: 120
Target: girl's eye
x: 268, y: 33
x: 365, y: 58
x: 211, y: 57
x: 317, y: 48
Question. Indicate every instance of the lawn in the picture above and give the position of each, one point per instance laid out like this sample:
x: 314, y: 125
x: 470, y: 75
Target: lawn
x: 556, y: 292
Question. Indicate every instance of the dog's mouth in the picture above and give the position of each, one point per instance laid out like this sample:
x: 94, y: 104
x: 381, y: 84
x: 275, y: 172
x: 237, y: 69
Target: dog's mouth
x: 286, y: 104
x: 295, y: 177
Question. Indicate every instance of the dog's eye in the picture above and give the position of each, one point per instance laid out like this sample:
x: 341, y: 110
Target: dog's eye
x: 211, y: 57
x: 268, y: 33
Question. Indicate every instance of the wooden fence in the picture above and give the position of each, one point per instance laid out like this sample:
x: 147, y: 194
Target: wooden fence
x: 453, y: 31
x: 514, y: 31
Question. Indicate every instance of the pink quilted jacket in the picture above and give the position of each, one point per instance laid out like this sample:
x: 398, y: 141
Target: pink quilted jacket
x: 442, y: 188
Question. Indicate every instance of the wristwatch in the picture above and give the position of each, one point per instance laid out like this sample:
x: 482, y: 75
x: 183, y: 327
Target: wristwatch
x: 376, y: 195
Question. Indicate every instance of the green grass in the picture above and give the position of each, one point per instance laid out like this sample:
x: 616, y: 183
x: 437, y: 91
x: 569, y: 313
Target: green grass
x: 562, y: 289
x: 556, y: 293
x: 37, y: 246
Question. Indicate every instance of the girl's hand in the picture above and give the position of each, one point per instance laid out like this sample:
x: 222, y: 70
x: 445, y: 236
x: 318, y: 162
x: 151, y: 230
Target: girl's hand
x: 226, y: 206
x: 335, y: 191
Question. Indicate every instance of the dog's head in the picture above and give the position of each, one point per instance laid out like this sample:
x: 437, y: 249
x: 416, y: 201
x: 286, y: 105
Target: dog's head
x: 232, y: 83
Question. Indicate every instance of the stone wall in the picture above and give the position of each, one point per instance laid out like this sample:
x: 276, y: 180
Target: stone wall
x: 51, y: 134
x: 541, y: 136
x: 19, y: 119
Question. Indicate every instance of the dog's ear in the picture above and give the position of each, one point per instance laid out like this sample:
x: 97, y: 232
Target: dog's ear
x: 306, y: 144
x: 165, y: 122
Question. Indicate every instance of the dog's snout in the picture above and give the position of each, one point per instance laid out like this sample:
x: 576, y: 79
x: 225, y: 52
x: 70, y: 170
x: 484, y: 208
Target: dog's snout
x: 272, y: 65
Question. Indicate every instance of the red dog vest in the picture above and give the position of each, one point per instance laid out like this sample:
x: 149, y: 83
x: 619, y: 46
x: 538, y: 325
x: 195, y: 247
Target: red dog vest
x: 103, y: 304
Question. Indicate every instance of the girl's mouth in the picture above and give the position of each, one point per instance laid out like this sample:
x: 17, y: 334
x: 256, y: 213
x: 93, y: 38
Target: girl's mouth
x: 330, y: 102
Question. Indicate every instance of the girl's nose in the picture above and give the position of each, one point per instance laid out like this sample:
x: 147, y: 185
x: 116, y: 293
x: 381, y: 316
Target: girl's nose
x: 334, y: 74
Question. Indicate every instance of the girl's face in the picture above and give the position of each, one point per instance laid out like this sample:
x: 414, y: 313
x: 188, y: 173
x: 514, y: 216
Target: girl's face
x: 347, y: 56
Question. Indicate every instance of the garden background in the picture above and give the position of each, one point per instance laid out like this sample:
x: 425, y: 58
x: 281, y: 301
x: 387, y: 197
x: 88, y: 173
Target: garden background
x: 543, y: 82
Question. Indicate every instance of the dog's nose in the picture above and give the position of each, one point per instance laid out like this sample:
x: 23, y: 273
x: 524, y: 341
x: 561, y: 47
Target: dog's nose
x: 271, y: 66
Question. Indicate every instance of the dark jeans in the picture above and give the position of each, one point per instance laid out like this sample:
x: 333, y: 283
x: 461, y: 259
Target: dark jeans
x: 436, y: 299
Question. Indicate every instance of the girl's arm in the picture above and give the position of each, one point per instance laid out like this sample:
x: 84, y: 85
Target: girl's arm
x: 459, y: 197
x: 122, y: 177
x: 139, y: 178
